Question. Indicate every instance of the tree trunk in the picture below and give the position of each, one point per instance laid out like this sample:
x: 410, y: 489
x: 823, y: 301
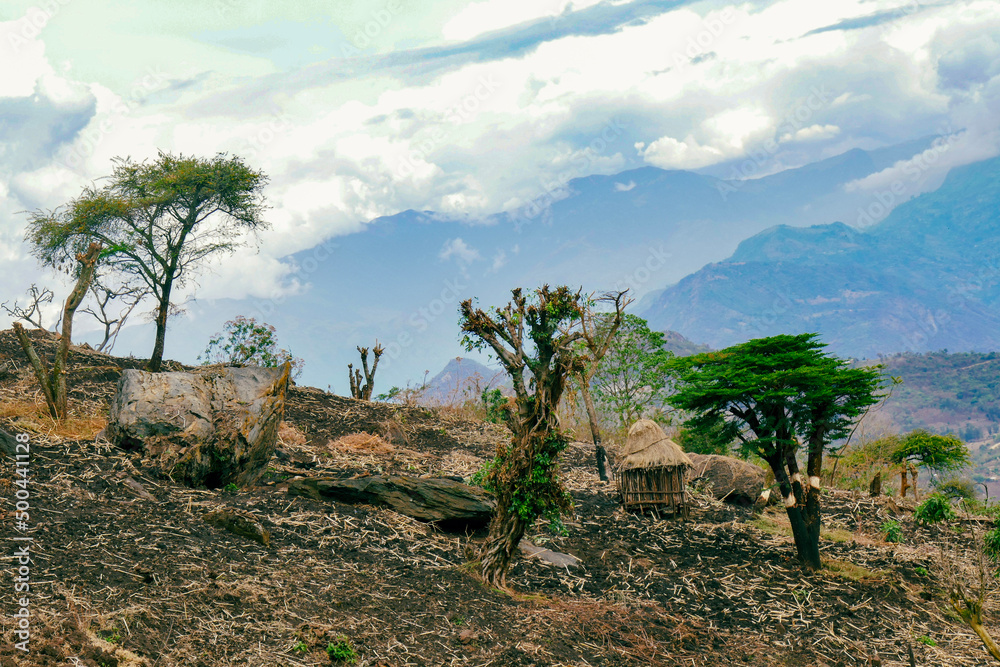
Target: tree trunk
x: 913, y: 475
x: 506, y: 531
x: 803, y: 513
x: 53, y: 382
x: 162, y: 312
x: 875, y: 488
x: 903, y: 483
x: 599, y: 451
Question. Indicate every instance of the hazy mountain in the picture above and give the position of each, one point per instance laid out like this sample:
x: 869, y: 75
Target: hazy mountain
x: 462, y: 380
x: 925, y: 278
x: 639, y: 229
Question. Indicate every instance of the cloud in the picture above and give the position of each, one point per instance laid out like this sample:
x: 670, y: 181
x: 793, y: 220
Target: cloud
x: 624, y: 187
x: 812, y: 133
x: 462, y: 253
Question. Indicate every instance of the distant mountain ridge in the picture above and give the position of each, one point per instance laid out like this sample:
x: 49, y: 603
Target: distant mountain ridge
x: 925, y: 278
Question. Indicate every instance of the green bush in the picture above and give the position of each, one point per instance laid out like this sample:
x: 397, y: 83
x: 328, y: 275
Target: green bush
x: 936, y: 508
x: 958, y: 489
x: 481, y: 477
x: 341, y: 650
x: 991, y: 543
x: 893, y: 531
x: 493, y: 403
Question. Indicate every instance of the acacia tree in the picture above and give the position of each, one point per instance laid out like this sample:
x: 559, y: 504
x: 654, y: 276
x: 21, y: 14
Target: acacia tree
x: 159, y: 221
x: 528, y: 336
x: 778, y: 395
x: 928, y: 450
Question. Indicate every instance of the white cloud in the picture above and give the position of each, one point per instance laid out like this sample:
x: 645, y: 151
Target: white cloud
x: 457, y: 248
x: 812, y: 133
x: 624, y: 187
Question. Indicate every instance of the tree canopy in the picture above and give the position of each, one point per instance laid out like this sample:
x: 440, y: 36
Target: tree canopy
x: 776, y: 395
x: 937, y: 452
x: 158, y: 220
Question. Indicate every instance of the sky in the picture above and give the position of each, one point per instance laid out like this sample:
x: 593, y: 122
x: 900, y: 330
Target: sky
x: 363, y: 109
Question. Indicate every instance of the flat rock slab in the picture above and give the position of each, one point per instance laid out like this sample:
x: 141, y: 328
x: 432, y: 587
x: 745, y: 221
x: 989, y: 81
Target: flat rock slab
x: 548, y: 556
x: 733, y: 480
x: 442, y: 501
x: 204, y: 428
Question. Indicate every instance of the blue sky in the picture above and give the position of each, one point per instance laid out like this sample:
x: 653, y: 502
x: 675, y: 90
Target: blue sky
x: 362, y: 109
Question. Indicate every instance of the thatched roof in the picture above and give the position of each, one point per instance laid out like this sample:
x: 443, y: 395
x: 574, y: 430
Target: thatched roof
x: 649, y: 447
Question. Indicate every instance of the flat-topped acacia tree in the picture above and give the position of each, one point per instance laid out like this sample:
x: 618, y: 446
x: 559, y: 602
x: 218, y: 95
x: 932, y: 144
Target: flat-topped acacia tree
x: 530, y: 335
x: 778, y: 395
x: 158, y: 222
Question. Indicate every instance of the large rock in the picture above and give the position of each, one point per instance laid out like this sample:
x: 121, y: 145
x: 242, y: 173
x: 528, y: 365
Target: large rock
x: 733, y: 480
x: 442, y: 501
x: 212, y: 427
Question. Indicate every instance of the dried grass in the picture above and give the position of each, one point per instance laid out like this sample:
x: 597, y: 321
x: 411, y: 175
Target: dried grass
x: 361, y: 442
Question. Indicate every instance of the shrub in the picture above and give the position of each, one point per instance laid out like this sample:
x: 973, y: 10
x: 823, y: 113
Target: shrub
x: 936, y: 508
x: 493, y: 403
x: 961, y: 489
x: 481, y: 477
x: 893, y: 531
x: 991, y: 543
x: 246, y: 342
x: 341, y: 650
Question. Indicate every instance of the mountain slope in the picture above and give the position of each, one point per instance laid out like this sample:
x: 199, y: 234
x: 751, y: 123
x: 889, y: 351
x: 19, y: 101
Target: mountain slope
x: 925, y: 278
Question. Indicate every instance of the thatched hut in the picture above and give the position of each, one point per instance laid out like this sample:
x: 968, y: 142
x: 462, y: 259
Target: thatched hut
x: 651, y: 472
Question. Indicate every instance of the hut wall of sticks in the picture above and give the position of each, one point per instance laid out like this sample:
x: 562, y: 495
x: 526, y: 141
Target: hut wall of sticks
x: 650, y: 475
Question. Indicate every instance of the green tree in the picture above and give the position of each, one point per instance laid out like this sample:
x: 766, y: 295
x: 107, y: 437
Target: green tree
x: 529, y: 336
x: 246, y: 342
x: 938, y: 453
x: 159, y: 222
x: 778, y: 395
x: 635, y: 373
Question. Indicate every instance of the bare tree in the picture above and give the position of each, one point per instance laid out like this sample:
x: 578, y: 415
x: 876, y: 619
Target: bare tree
x: 598, y: 335
x: 361, y: 387
x: 105, y: 294
x: 969, y: 594
x: 528, y: 336
x: 53, y: 382
x: 32, y: 313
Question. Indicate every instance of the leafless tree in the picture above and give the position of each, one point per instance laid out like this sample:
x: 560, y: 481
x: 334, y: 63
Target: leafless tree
x: 32, y: 313
x: 105, y: 298
x: 970, y: 593
x: 361, y: 387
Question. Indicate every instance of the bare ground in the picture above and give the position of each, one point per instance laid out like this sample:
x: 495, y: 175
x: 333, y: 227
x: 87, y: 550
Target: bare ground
x: 118, y: 579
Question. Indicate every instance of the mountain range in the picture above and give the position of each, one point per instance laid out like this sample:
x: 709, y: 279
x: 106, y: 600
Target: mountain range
x: 642, y: 229
x: 925, y: 278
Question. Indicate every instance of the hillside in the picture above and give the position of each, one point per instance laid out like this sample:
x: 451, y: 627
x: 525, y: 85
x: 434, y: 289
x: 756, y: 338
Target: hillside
x: 117, y: 572
x: 925, y: 278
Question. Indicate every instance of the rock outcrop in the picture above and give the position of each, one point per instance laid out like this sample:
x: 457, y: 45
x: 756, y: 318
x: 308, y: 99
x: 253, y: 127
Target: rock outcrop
x: 448, y: 503
x: 205, y: 428
x: 733, y: 480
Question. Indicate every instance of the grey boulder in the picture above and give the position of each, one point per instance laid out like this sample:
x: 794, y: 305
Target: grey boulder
x: 204, y: 428
x: 442, y: 501
x: 733, y: 480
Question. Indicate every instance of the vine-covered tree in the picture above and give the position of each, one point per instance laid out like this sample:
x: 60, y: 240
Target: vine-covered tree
x: 159, y: 222
x: 530, y: 337
x: 777, y: 395
x: 928, y: 450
